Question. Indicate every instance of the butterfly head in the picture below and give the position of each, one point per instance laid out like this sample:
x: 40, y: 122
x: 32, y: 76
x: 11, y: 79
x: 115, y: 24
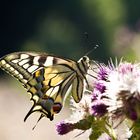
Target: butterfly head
x: 84, y: 63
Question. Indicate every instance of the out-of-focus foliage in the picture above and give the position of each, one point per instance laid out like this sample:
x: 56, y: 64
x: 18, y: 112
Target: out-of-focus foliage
x: 68, y: 28
x: 71, y: 28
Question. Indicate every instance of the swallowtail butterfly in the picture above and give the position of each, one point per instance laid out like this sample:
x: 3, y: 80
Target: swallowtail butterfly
x: 47, y: 78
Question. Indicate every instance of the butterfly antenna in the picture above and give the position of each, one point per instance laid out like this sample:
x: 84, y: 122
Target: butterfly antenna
x: 91, y: 50
x: 91, y: 75
x: 41, y: 116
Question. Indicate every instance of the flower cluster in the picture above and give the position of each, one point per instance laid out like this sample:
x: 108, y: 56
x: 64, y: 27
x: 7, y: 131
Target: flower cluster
x: 110, y: 109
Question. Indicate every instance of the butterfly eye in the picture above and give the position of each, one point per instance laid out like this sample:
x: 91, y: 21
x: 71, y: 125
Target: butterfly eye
x: 85, y: 58
x: 57, y: 107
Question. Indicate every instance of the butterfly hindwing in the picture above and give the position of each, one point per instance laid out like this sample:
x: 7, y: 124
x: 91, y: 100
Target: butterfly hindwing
x: 49, y: 86
x: 77, y: 89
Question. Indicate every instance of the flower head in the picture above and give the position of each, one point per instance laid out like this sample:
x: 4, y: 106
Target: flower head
x: 114, y: 95
x: 102, y: 72
x: 100, y: 86
x: 80, y: 110
x: 123, y: 90
x: 64, y: 127
x: 98, y: 108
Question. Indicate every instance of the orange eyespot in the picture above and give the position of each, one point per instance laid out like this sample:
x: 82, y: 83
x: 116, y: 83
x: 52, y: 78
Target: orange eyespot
x: 57, y: 107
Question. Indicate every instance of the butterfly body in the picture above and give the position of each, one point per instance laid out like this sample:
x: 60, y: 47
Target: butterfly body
x: 47, y: 78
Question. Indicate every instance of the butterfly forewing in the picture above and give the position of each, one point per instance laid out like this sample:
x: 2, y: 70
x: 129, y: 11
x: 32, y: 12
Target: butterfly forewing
x: 47, y: 78
x: 22, y: 65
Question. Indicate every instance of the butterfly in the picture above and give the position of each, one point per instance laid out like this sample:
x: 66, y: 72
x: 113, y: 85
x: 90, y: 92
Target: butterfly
x: 47, y: 78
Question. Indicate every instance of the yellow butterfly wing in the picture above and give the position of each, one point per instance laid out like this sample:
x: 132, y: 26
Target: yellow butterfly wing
x: 47, y: 78
x: 48, y: 88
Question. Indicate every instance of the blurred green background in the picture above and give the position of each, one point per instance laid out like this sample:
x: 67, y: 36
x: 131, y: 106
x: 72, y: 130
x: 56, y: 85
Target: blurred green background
x: 71, y: 28
x: 64, y: 28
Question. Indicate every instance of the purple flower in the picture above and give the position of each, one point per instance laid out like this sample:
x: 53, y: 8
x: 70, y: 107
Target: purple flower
x: 94, y: 96
x: 64, y: 127
x: 113, y: 99
x: 132, y: 114
x: 102, y: 74
x: 126, y: 68
x: 100, y: 87
x: 98, y: 108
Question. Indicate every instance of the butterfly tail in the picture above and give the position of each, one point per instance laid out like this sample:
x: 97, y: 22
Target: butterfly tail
x: 41, y: 116
x: 29, y: 113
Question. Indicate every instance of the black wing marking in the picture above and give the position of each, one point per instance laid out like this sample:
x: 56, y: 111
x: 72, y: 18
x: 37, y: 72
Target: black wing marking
x: 77, y: 89
x: 47, y: 78
x: 48, y: 88
x: 22, y: 65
